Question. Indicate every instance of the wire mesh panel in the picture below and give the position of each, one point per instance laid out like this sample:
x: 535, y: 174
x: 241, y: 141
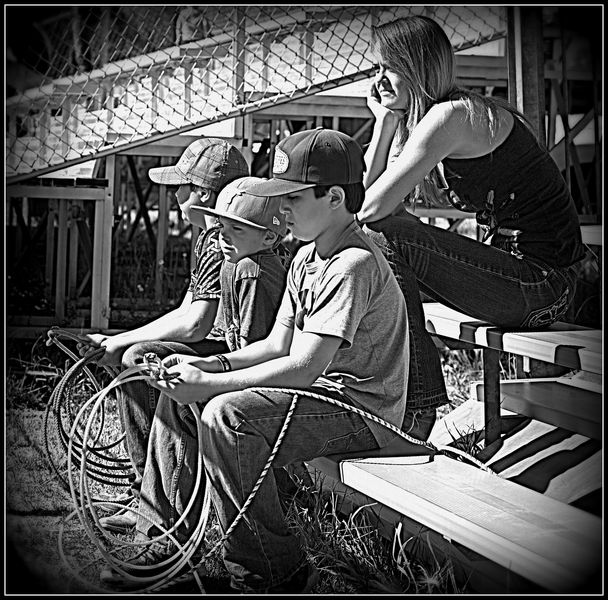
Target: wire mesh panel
x: 85, y: 81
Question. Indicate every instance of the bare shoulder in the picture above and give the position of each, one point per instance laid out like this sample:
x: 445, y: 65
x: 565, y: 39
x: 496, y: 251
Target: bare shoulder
x: 473, y: 130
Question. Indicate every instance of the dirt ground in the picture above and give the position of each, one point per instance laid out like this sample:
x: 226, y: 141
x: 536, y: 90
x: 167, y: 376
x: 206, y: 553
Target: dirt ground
x: 36, y: 507
x: 47, y: 549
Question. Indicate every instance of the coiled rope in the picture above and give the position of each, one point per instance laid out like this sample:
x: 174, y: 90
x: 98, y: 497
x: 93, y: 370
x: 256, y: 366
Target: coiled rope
x: 85, y: 504
x: 104, y: 466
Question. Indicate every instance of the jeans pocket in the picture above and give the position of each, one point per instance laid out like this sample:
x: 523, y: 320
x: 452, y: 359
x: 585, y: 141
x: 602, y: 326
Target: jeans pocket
x: 545, y: 316
x: 363, y: 439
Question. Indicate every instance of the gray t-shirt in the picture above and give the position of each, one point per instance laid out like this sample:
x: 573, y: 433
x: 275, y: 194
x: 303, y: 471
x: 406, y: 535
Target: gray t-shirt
x: 354, y: 295
x: 251, y: 293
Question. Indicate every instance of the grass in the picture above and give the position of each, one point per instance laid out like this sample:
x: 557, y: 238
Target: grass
x: 346, y: 545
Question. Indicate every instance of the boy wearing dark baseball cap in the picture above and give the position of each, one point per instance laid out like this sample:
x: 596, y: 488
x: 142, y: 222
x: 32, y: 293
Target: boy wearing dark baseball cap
x: 331, y: 340
x: 206, y: 166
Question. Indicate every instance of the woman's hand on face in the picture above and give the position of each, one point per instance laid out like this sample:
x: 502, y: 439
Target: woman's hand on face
x: 382, y: 114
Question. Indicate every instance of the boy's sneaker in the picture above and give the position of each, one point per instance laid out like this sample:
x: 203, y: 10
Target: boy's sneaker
x: 121, y: 522
x: 153, y: 555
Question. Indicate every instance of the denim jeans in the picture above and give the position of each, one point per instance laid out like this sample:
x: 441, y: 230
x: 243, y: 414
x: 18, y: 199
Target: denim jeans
x: 137, y: 400
x: 484, y: 282
x: 239, y: 430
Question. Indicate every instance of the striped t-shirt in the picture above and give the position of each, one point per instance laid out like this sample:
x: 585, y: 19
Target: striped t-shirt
x: 205, y: 276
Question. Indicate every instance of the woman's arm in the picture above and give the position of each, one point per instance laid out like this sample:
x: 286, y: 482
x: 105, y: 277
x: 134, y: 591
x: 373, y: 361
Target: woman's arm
x: 385, y: 127
x: 443, y: 131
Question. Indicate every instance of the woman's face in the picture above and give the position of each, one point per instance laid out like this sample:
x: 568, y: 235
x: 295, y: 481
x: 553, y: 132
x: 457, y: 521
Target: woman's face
x: 392, y: 87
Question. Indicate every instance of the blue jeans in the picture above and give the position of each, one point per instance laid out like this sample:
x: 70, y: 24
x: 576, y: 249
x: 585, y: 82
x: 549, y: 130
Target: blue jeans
x: 137, y: 401
x: 484, y: 282
x: 426, y: 385
x: 239, y: 430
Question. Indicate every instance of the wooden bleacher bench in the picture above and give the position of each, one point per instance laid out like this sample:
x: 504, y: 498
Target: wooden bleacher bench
x: 569, y: 401
x: 547, y: 542
x: 571, y: 346
x: 541, y: 540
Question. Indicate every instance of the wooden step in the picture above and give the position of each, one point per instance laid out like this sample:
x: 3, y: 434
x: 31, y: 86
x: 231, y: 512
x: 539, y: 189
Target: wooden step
x: 562, y: 344
x: 539, y: 538
x: 551, y: 401
x: 556, y: 462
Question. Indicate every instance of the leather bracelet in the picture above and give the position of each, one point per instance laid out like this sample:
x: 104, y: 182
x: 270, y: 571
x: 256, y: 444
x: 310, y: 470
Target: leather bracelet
x: 224, y: 362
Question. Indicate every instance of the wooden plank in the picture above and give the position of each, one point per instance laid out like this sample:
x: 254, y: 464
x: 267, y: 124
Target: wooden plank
x: 592, y: 235
x: 102, y: 252
x: 544, y: 540
x: 491, y: 398
x: 558, y: 463
x: 583, y: 380
x: 471, y: 570
x: 532, y: 66
x: 61, y: 264
x: 73, y: 251
x: 162, y: 228
x: 478, y: 70
x: 552, y: 402
x: 56, y: 192
x: 313, y: 106
x: 50, y: 249
x: 561, y: 343
x: 577, y: 349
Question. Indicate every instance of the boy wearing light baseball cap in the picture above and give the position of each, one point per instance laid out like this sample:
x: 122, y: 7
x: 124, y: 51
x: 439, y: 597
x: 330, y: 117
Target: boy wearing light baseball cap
x: 332, y: 340
x: 253, y: 274
x: 205, y: 167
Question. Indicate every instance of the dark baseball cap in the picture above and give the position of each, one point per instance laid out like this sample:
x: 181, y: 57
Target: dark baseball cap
x: 313, y: 157
x: 208, y: 162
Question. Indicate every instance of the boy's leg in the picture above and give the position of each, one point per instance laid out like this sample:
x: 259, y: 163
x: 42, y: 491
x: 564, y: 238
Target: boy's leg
x: 172, y: 466
x: 166, y: 489
x: 239, y: 432
x: 137, y: 400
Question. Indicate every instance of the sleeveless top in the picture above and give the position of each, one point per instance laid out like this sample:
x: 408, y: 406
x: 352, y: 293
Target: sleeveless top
x: 520, y: 198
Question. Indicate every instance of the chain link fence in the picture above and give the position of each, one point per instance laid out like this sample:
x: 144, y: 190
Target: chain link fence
x: 84, y: 82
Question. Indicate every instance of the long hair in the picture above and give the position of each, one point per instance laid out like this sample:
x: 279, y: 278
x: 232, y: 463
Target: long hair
x: 420, y: 52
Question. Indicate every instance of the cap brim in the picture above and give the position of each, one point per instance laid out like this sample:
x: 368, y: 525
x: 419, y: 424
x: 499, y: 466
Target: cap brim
x: 277, y: 187
x: 225, y: 215
x: 168, y: 176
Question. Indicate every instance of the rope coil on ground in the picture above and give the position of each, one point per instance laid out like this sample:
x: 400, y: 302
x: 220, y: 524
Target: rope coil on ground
x: 58, y: 420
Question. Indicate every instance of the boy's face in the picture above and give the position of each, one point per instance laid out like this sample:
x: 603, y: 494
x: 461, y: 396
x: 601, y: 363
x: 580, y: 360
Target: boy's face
x: 189, y: 195
x: 238, y: 240
x: 306, y: 216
